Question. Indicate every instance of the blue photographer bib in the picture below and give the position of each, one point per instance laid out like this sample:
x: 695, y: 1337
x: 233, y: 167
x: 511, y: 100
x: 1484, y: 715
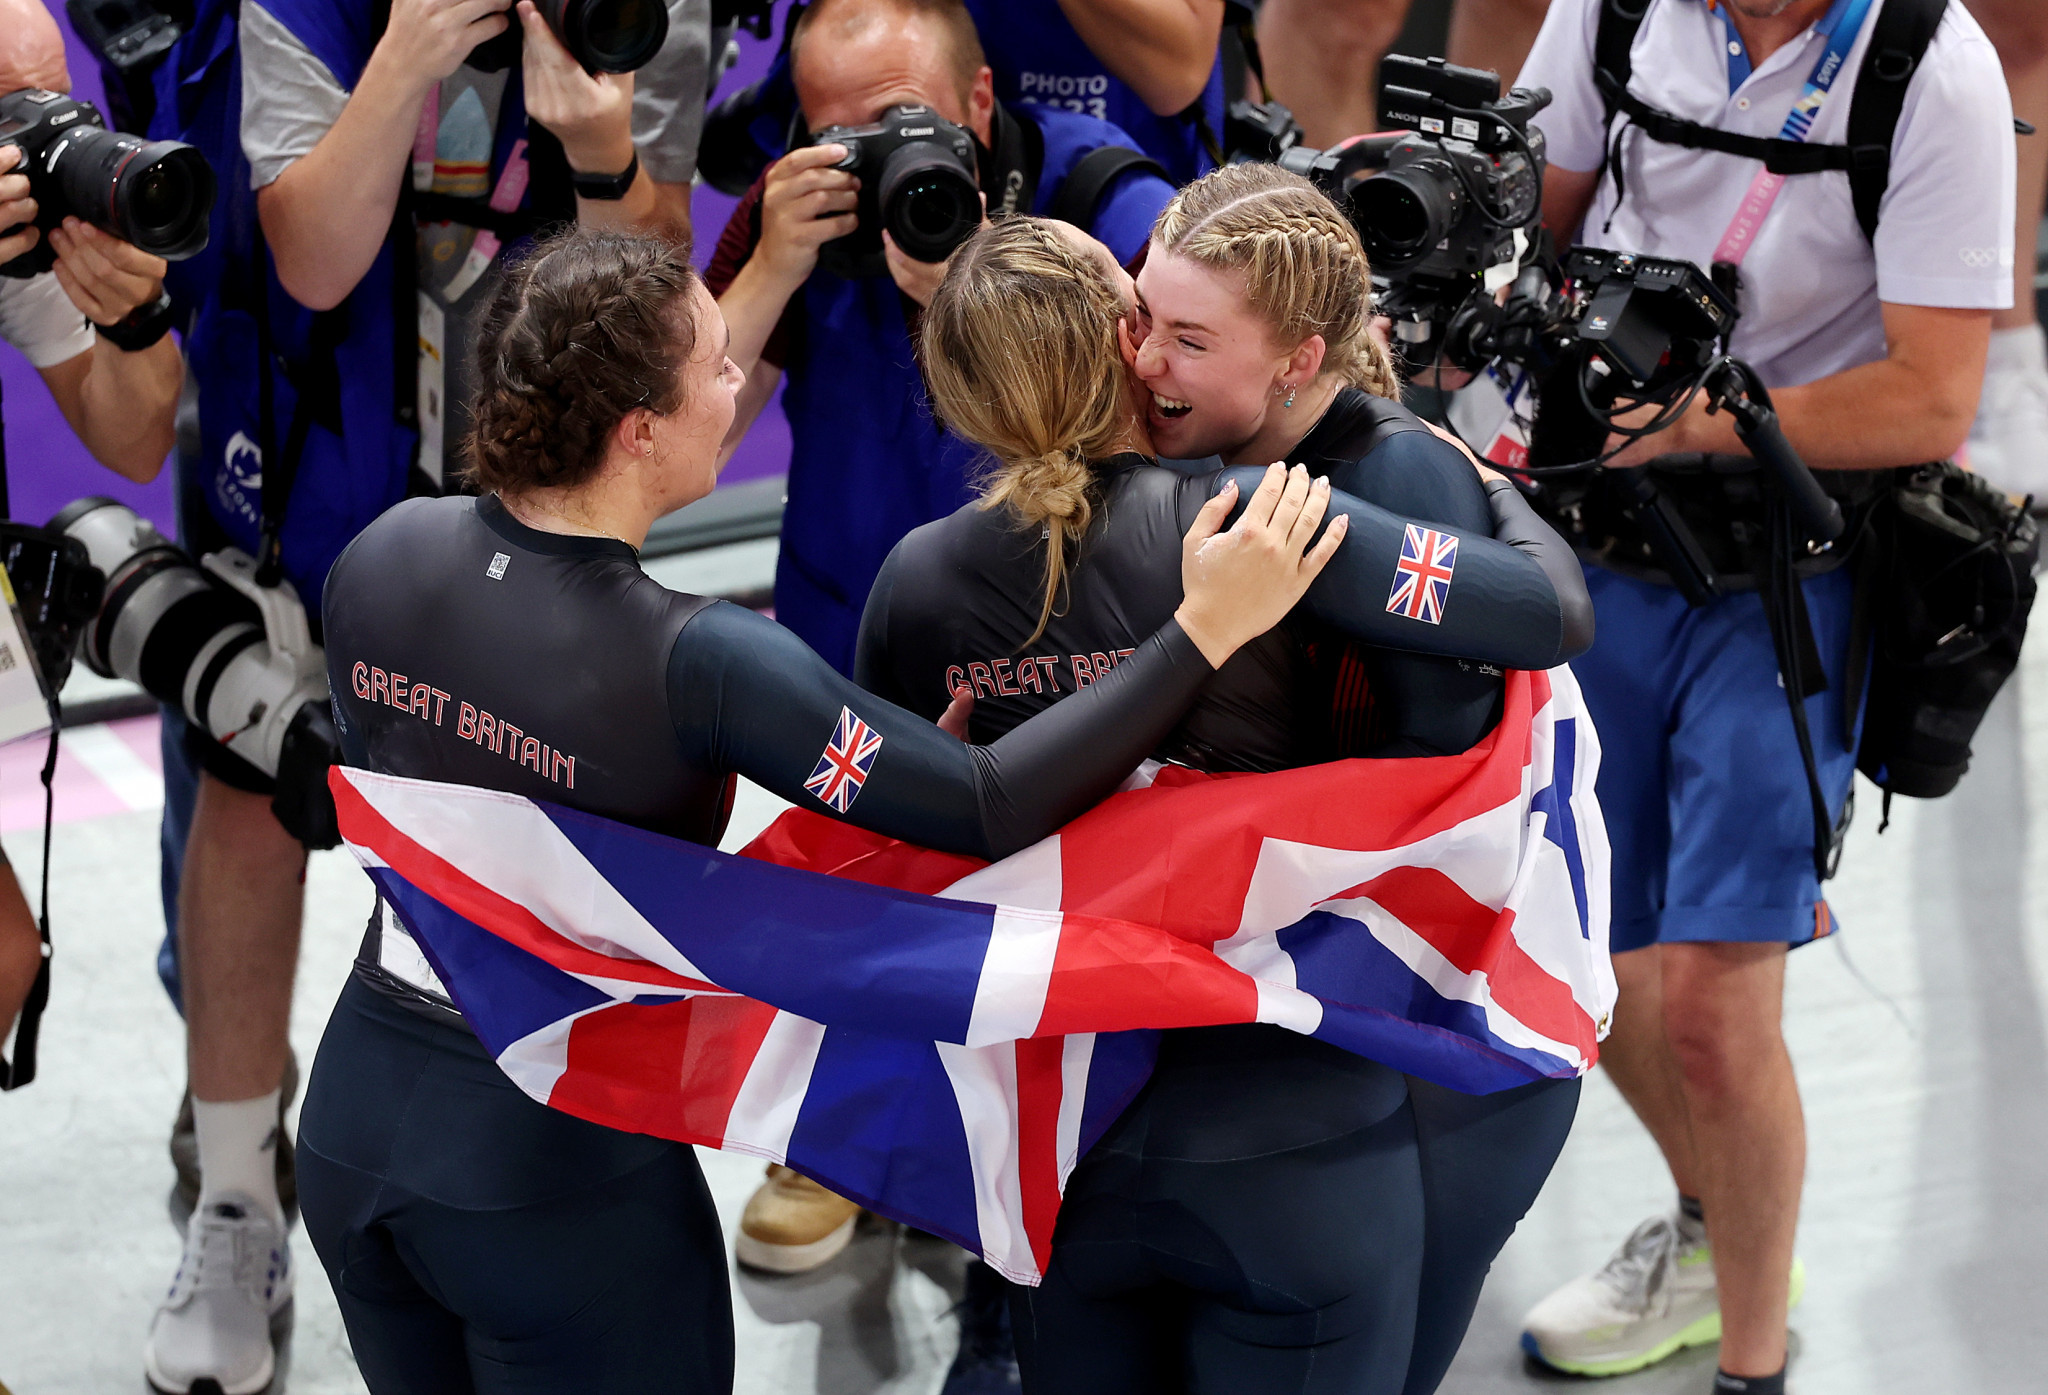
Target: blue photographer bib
x: 1037, y: 57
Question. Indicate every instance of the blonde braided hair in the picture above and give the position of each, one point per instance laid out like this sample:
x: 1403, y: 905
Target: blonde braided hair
x: 1020, y: 356
x: 1304, y: 267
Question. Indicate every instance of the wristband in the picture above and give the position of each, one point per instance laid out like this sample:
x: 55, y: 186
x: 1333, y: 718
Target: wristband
x: 606, y: 188
x: 142, y: 327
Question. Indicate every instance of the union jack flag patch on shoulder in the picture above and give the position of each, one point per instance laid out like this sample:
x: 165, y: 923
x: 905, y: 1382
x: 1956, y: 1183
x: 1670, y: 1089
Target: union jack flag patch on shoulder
x: 848, y: 758
x: 1422, y: 578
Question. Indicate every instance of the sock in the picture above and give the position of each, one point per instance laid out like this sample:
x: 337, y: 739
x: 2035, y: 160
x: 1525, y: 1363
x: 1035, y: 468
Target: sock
x: 238, y: 1151
x: 1725, y: 1384
x: 2021, y: 349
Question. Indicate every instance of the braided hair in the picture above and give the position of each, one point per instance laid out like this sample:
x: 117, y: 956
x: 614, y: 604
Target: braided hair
x: 1304, y: 267
x: 1020, y: 356
x: 588, y: 326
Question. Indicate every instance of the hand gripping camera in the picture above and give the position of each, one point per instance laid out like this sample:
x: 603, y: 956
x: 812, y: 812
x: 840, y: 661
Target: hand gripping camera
x: 156, y: 194
x: 234, y: 655
x: 917, y: 179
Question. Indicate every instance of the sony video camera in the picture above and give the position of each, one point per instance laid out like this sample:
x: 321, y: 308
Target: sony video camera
x: 1447, y: 201
x: 234, y: 655
x: 156, y: 194
x: 605, y: 36
x: 917, y: 179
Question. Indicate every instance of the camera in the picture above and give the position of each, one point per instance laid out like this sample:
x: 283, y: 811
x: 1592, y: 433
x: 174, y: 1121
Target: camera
x: 56, y: 591
x: 155, y: 194
x: 129, y: 34
x: 234, y: 655
x: 1447, y: 201
x: 917, y: 179
x: 605, y: 36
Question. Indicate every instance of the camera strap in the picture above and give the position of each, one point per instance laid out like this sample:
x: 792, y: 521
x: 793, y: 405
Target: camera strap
x: 1843, y: 24
x: 1904, y: 29
x: 1801, y: 673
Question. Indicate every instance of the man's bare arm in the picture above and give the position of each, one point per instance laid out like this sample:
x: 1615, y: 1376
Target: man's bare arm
x: 1164, y: 50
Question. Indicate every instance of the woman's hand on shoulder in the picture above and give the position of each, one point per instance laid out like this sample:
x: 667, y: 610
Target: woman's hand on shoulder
x: 1240, y: 583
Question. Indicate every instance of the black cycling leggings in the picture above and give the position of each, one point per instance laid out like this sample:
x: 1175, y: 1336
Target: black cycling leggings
x: 1348, y: 1264
x: 480, y: 1242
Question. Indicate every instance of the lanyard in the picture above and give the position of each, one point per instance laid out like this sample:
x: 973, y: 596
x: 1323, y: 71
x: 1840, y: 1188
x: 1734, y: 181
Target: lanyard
x: 1848, y: 17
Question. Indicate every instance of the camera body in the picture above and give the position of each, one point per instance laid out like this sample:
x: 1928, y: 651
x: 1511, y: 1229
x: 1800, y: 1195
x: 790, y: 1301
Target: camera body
x: 605, y: 36
x: 56, y: 589
x: 1448, y: 203
x: 918, y: 179
x: 157, y: 195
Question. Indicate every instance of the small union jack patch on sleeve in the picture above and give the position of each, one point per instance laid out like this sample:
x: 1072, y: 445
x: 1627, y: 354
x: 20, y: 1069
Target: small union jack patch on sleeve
x: 848, y: 758
x: 1422, y: 578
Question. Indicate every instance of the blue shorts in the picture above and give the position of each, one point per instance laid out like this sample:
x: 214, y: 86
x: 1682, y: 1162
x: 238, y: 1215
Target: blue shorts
x: 1701, y: 783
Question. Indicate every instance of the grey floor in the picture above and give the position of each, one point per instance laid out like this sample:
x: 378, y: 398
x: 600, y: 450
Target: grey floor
x: 1919, y: 1038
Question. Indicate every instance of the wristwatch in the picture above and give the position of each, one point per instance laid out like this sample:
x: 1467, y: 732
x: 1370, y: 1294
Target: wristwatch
x: 608, y: 188
x: 141, y: 327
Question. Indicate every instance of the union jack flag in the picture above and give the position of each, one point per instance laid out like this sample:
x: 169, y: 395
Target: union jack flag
x: 1422, y: 578
x: 848, y: 757
x: 940, y: 1039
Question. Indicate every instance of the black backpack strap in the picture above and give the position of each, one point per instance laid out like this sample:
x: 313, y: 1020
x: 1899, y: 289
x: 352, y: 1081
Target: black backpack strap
x: 1904, y: 30
x: 1081, y: 191
x: 1613, y: 46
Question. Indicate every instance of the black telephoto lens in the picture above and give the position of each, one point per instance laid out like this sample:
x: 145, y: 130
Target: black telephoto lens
x: 929, y: 204
x: 609, y: 36
x: 1402, y: 214
x: 156, y: 194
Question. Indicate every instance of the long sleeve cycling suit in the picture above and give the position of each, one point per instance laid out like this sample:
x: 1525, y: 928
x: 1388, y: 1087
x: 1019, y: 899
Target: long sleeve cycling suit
x: 1272, y: 1214
x: 474, y: 1237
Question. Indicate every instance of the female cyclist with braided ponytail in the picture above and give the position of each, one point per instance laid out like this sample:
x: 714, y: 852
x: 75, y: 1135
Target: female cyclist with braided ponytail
x: 476, y: 1240
x: 1271, y: 1214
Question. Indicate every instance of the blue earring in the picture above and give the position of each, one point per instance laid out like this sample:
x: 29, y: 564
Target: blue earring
x: 1290, y: 399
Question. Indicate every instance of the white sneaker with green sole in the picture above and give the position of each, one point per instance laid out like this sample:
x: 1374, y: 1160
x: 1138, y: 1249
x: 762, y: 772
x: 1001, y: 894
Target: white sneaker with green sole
x: 1653, y: 1298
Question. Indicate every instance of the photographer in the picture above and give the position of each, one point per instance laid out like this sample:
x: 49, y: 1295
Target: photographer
x: 119, y: 400
x: 349, y: 181
x: 1867, y: 302
x: 867, y: 464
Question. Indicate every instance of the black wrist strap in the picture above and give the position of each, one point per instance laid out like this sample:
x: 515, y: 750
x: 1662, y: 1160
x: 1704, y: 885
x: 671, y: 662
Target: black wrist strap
x: 606, y: 188
x: 142, y: 327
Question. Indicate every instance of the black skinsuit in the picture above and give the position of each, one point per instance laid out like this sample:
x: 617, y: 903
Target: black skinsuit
x: 477, y: 1240
x: 1272, y: 1214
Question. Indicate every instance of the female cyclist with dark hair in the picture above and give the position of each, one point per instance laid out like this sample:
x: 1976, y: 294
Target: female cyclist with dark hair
x: 476, y: 1240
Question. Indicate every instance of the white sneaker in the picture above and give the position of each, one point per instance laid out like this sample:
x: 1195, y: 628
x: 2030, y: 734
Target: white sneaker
x: 1654, y: 1297
x: 236, y: 1274
x: 2009, y: 438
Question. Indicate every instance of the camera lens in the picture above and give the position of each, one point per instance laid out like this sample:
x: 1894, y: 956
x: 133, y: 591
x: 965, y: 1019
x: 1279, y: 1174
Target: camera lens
x: 155, y: 194
x: 929, y: 201
x: 1403, y: 214
x: 609, y: 36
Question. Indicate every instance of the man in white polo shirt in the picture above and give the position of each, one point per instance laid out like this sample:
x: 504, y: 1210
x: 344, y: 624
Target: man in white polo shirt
x: 1873, y: 344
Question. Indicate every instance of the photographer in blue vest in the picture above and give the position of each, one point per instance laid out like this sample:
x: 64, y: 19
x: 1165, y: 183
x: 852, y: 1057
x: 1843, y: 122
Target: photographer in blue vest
x: 375, y: 165
x: 1869, y: 257
x: 868, y: 463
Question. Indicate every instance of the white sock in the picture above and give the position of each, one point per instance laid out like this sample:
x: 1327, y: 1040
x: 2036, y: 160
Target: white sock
x: 2021, y: 349
x: 238, y: 1151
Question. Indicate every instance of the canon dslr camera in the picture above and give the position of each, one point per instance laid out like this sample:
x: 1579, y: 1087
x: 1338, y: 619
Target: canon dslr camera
x: 917, y: 179
x: 155, y: 194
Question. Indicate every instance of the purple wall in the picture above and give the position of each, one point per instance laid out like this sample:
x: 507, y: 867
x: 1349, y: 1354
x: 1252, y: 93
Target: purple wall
x: 48, y: 468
